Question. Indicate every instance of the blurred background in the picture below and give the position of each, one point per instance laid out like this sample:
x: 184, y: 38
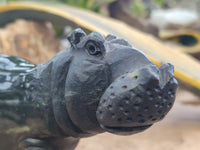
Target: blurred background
x: 166, y: 30
x: 175, y: 22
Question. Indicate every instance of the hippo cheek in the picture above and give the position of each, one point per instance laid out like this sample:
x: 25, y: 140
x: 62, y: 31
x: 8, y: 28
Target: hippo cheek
x: 86, y: 82
x: 136, y: 100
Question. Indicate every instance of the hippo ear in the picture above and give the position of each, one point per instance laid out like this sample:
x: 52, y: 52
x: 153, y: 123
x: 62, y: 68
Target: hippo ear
x: 76, y: 36
x: 110, y: 37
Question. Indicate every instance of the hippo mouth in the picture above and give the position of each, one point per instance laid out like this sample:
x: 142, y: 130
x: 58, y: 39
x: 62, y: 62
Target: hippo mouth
x: 125, y: 129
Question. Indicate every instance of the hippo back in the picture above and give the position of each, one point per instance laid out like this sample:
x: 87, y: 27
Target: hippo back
x: 10, y: 69
x: 12, y: 74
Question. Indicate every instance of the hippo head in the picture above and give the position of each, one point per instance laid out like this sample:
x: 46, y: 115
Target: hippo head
x: 112, y: 87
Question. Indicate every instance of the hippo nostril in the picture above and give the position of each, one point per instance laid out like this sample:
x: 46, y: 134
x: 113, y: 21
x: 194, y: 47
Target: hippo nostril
x: 159, y: 97
x: 162, y: 116
x: 132, y: 93
x: 150, y: 116
x: 135, y: 77
x: 136, y: 105
x: 157, y: 90
x: 141, y: 121
x: 162, y: 105
x: 170, y: 92
x: 111, y: 87
x: 129, y: 119
x: 112, y: 95
x: 109, y: 107
x: 149, y: 92
x: 119, y: 120
x: 169, y: 105
x: 172, y: 95
x: 140, y: 116
x: 146, y: 109
x: 154, y: 119
x: 122, y: 77
x: 104, y: 100
x: 100, y: 114
x: 156, y: 105
x: 158, y: 112
x: 124, y: 87
x: 127, y: 102
x: 151, y: 97
x: 136, y: 108
x: 164, y: 100
x: 126, y: 112
x: 113, y: 115
x: 121, y: 108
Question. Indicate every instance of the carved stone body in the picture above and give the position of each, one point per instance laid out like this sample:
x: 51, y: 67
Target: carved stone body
x: 98, y: 84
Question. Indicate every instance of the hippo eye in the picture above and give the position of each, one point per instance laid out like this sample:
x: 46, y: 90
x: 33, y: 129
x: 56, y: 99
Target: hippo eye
x: 93, y: 49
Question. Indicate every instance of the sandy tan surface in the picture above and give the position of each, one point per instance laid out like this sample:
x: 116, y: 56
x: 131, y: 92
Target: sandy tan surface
x: 180, y: 130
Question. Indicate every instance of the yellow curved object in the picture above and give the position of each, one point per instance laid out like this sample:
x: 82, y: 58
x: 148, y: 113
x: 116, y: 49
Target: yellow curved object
x: 187, y: 69
x: 176, y: 35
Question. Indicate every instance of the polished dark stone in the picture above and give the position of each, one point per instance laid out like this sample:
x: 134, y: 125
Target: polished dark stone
x: 98, y: 84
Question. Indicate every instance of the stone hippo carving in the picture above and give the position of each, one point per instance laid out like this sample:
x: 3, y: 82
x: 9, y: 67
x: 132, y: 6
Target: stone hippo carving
x: 98, y: 84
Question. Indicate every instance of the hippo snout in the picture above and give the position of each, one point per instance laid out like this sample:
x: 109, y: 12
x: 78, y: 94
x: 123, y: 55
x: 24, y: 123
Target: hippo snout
x: 137, y: 99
